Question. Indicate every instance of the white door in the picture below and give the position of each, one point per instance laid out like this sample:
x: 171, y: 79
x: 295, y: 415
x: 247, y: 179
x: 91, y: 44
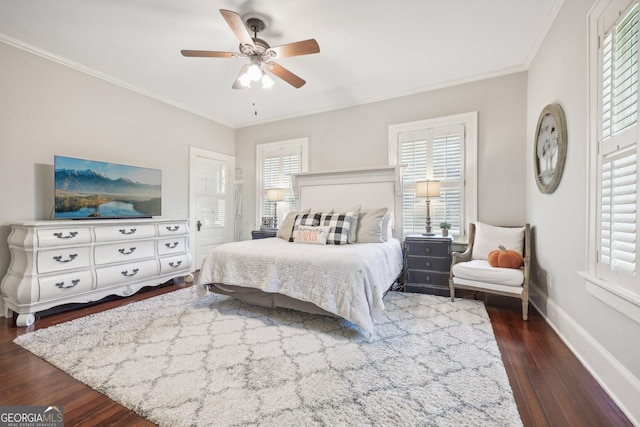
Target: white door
x: 211, y: 201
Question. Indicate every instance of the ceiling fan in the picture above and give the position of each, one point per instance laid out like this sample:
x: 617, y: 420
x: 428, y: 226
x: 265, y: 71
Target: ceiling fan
x: 260, y: 54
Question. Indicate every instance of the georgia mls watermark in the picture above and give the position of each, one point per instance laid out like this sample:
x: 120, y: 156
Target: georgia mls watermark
x: 31, y: 416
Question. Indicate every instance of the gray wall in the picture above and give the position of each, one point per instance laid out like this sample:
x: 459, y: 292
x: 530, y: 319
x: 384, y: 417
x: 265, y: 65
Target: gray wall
x: 605, y: 340
x: 358, y: 137
x: 47, y: 108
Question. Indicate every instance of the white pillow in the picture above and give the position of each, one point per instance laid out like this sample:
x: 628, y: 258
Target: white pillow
x: 370, y: 226
x: 489, y: 237
x: 387, y: 226
x: 316, y: 235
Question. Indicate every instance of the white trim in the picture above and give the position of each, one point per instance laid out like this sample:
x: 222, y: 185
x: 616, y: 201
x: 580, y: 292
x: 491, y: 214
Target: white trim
x: 470, y: 155
x: 302, y: 143
x: 617, y: 297
x: 619, y: 383
x: 610, y: 293
x: 542, y: 34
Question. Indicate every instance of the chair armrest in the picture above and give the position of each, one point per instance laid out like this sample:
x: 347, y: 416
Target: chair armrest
x: 457, y: 257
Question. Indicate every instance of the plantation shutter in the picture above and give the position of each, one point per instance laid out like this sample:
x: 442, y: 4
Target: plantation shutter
x: 276, y: 167
x: 433, y: 154
x: 617, y: 159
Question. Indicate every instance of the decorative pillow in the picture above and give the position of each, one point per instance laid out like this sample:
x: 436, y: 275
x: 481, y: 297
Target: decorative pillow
x: 370, y: 226
x: 387, y: 226
x: 311, y: 218
x: 339, y: 225
x: 286, y: 228
x: 489, y: 237
x: 316, y: 235
x: 355, y: 213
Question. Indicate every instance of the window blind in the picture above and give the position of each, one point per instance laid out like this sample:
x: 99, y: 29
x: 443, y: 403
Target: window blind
x: 617, y: 158
x: 433, y: 154
x: 276, y: 167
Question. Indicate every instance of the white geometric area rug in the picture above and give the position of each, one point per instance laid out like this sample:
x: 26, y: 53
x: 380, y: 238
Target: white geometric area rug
x: 178, y: 359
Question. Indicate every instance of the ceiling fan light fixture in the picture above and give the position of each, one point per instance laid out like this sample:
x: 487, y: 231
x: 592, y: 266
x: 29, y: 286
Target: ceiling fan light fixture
x: 254, y: 72
x: 267, y: 81
x: 244, y: 80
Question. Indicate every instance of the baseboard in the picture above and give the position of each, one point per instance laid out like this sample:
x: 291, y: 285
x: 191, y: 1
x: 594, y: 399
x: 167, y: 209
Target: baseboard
x: 621, y: 385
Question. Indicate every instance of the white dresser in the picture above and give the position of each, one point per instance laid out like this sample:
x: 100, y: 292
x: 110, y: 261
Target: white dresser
x: 61, y: 262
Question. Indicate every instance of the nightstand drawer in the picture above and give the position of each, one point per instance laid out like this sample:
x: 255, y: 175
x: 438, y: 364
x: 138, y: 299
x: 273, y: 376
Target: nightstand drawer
x: 428, y: 263
x: 436, y: 249
x: 427, y: 277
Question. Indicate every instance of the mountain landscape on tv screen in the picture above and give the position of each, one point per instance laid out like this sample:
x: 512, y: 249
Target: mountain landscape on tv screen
x: 89, y: 193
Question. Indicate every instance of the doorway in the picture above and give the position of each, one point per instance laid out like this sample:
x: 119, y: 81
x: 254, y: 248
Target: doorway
x: 211, y: 201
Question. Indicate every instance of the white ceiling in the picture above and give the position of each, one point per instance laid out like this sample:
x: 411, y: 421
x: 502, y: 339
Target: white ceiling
x: 369, y: 49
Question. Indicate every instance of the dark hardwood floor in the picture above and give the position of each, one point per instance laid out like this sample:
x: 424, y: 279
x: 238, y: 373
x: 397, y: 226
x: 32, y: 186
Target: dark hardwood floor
x: 550, y: 385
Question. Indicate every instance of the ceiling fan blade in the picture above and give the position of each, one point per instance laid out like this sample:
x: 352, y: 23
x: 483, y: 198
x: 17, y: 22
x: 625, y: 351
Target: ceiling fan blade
x: 237, y: 26
x: 305, y: 47
x: 208, y: 53
x: 285, y: 74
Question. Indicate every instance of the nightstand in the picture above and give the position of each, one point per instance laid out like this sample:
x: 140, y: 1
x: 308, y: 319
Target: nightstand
x: 263, y: 234
x: 427, y: 260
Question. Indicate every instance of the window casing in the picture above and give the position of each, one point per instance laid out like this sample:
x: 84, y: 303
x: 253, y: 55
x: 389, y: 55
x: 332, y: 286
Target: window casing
x: 274, y: 164
x: 442, y: 149
x: 612, y: 260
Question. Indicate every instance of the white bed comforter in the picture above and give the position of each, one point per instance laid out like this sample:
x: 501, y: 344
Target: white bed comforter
x: 348, y: 281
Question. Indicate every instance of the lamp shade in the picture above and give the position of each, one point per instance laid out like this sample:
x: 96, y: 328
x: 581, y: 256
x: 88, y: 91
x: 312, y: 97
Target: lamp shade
x: 428, y: 189
x: 275, y: 194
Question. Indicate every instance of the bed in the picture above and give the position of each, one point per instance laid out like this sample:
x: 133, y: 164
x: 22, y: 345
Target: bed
x: 343, y: 280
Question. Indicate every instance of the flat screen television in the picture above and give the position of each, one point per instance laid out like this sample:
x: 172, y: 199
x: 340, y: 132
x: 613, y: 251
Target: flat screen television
x: 89, y: 189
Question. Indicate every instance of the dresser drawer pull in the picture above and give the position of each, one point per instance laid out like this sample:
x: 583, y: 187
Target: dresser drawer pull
x: 427, y: 278
x: 123, y: 251
x: 71, y: 235
x: 127, y: 274
x: 73, y: 284
x: 427, y: 250
x: 124, y: 231
x: 427, y: 264
x: 172, y: 245
x: 173, y: 228
x: 58, y: 258
x: 175, y: 264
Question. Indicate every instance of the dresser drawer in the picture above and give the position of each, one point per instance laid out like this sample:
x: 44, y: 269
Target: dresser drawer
x: 124, y: 232
x: 428, y: 263
x: 63, y: 259
x: 123, y: 251
x: 427, y: 277
x: 435, y: 249
x: 61, y: 285
x: 172, y: 246
x: 123, y: 273
x: 174, y: 263
x: 172, y: 228
x: 63, y: 236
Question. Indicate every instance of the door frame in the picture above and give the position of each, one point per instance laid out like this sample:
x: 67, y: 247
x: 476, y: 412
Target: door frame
x: 194, y: 153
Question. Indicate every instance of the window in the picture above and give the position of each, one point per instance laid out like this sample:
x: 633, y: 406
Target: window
x: 442, y: 149
x: 613, y: 135
x: 275, y: 162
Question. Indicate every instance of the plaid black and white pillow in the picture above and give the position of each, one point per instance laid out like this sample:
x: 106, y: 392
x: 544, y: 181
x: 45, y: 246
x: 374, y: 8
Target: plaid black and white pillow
x: 311, y: 218
x: 340, y: 224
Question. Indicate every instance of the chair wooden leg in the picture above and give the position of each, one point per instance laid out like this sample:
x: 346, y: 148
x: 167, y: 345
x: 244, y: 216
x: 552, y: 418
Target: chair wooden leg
x: 452, y: 291
x: 525, y: 310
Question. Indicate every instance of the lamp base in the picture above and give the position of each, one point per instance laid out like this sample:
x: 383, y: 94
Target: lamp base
x: 428, y: 234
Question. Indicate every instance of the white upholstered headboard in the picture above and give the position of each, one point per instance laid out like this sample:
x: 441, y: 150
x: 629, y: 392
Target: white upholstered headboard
x: 371, y: 187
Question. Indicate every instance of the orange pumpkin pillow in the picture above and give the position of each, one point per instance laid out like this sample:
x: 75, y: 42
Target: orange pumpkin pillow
x: 505, y: 258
